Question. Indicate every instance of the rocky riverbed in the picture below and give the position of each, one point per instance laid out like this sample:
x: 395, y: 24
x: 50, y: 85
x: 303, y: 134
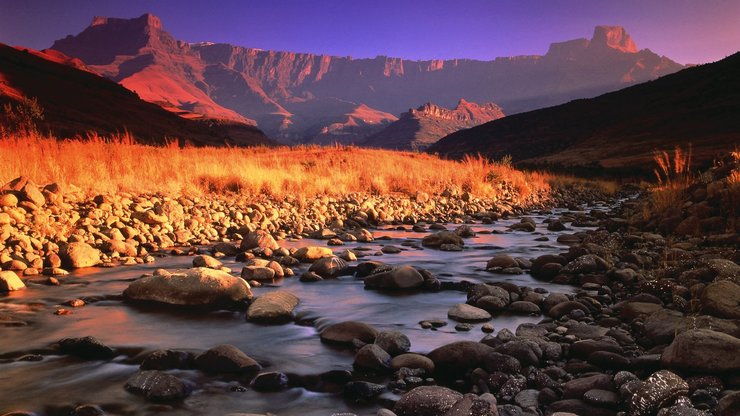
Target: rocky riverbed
x: 429, y: 305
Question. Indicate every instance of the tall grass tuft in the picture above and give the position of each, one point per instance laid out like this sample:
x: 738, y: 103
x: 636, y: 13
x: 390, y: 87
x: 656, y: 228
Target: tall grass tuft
x: 673, y: 174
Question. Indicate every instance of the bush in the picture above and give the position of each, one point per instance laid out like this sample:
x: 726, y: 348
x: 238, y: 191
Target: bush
x: 22, y: 117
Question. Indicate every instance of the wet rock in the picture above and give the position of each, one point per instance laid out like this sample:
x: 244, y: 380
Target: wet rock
x: 258, y: 273
x: 413, y: 361
x: 564, y: 308
x: 511, y: 387
x: 608, y: 360
x: 588, y: 263
x: 258, y: 239
x: 207, y: 261
x: 312, y: 253
x: 362, y: 390
x: 524, y: 307
x: 89, y: 348
x: 576, y: 388
x: 372, y: 357
x: 472, y: 405
x: 585, y: 348
x: 527, y: 399
x: 703, y: 350
x: 601, y: 398
x: 78, y: 255
x: 440, y: 238
x: 167, y: 360
x: 633, y: 310
x: 555, y: 225
x: 393, y: 342
x: 526, y: 351
x: 455, y: 359
x: 328, y: 267
x: 9, y: 282
x: 403, y: 277
x: 466, y: 313
x: 272, y: 381
x: 273, y: 307
x: 198, y: 286
x: 226, y: 358
x: 488, y: 297
x: 346, y: 332
x: 497, y: 362
x: 722, y: 299
x: 729, y: 405
x: 659, y: 390
x: 579, y: 407
x: 157, y: 386
x: 427, y: 401
x: 227, y: 249
x: 309, y: 277
x: 501, y: 261
x: 87, y: 410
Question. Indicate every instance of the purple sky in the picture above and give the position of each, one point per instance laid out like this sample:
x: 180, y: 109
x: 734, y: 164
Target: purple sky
x: 688, y: 31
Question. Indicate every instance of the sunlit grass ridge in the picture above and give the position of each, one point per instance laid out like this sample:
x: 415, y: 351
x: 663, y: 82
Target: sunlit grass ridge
x: 102, y: 165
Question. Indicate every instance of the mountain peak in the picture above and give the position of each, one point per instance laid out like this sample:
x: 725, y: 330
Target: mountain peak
x: 614, y: 37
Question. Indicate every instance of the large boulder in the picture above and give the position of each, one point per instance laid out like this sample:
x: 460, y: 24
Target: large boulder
x: 403, y: 277
x: 703, y: 350
x: 722, y: 299
x: 226, y: 358
x: 9, y: 282
x: 78, y: 255
x: 258, y: 239
x: 659, y: 390
x: 329, y: 267
x: 427, y: 401
x: 442, y: 237
x: 273, y: 307
x: 453, y: 360
x: 198, y: 286
x: 348, y: 331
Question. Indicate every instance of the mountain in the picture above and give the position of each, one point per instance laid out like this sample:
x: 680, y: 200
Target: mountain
x: 77, y: 101
x: 419, y: 128
x: 352, y: 127
x: 619, y: 130
x: 276, y: 88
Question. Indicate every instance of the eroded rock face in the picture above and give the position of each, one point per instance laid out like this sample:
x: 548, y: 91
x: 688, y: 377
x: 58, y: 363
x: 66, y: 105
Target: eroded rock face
x: 199, y: 287
x: 703, y: 350
x: 659, y: 390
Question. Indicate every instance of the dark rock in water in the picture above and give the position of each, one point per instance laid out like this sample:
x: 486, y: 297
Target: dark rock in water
x: 87, y: 410
x: 453, y: 360
x: 403, y: 277
x: 703, y: 350
x: 272, y: 381
x: 157, y: 386
x: 198, y: 286
x: 722, y: 299
x: 524, y: 307
x: 226, y: 359
x: 88, y: 348
x: 440, y: 238
x: 729, y: 405
x: 393, y: 342
x: 659, y: 390
x: 362, y: 390
x: 466, y: 313
x: 273, y: 307
x: 427, y: 401
x: 473, y: 405
x: 329, y: 267
x: 500, y: 362
x: 167, y: 360
x: 372, y: 357
x: 579, y: 407
x: 413, y: 361
x: 346, y: 332
x: 601, y: 398
x: 576, y: 388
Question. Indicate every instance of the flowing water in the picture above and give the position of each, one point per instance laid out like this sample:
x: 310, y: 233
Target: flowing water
x: 42, y: 386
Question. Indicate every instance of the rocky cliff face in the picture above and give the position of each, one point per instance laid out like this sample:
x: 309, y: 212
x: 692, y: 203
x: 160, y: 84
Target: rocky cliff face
x: 226, y: 81
x: 421, y: 127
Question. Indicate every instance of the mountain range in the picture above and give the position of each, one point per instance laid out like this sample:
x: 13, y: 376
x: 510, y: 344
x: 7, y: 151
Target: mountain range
x: 698, y: 107
x: 307, y: 98
x: 76, y: 101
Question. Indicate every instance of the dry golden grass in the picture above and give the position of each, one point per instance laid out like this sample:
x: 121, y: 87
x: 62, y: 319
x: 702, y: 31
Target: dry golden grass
x: 674, y: 176
x: 98, y: 165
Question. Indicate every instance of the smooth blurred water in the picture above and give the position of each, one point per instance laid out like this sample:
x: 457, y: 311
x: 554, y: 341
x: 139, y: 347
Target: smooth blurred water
x: 63, y: 381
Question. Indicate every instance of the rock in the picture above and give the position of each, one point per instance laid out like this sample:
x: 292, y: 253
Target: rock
x: 258, y: 273
x: 724, y: 269
x: 524, y: 307
x: 372, y: 357
x: 328, y: 267
x: 258, y: 239
x: 703, y: 350
x: 472, y: 405
x: 87, y: 410
x: 272, y: 381
x: 633, y: 310
x: 440, y: 238
x: 608, y: 360
x: 157, y: 386
x: 226, y: 358
x: 578, y: 407
x: 207, y: 261
x: 526, y: 351
x: 362, y: 390
x: 576, y: 388
x: 393, y: 342
x: 403, y: 277
x: 601, y: 398
x: 413, y: 361
x: 88, y: 348
x: 488, y: 297
x: 722, y: 299
x: 312, y: 253
x: 149, y: 217
x: 466, y: 313
x: 729, y: 405
x: 501, y: 261
x: 227, y: 249
x: 309, y: 277
x: 273, y: 307
x: 588, y: 263
x: 79, y: 255
x: 564, y: 308
x: 497, y: 362
x: 199, y: 286
x: 167, y: 360
x: 555, y: 225
x: 527, y: 399
x: 9, y: 282
x: 455, y: 359
x: 427, y: 401
x: 32, y: 194
x: 659, y: 390
x: 8, y: 200
x: 348, y: 331
x: 586, y: 347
